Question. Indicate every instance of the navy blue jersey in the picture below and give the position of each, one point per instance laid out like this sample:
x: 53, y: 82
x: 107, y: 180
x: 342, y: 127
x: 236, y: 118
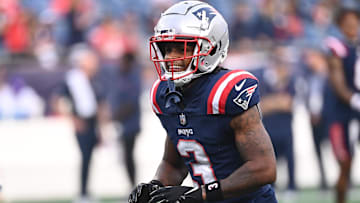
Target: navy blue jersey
x: 201, y: 129
x: 124, y: 97
x: 348, y: 54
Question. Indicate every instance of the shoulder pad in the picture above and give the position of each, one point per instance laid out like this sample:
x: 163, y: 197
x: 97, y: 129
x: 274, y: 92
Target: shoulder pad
x: 233, y: 93
x: 336, y: 46
x: 153, y: 98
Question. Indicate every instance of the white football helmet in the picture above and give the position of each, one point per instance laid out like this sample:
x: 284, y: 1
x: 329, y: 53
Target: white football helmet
x: 190, y: 22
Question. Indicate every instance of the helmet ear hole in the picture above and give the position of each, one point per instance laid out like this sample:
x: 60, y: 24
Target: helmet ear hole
x: 213, y: 51
x: 202, y: 65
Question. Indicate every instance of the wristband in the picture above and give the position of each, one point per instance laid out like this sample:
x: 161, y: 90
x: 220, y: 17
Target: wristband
x: 213, y: 191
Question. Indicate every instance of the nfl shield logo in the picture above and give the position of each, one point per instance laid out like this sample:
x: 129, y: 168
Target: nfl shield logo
x: 182, y: 119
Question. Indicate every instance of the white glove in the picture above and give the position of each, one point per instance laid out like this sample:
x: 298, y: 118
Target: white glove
x: 355, y: 101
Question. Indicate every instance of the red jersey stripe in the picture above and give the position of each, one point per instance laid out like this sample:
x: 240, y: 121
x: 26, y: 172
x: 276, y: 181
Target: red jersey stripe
x: 214, y: 89
x: 153, y: 91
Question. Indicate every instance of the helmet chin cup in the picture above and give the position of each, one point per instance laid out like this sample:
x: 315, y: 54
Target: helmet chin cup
x: 182, y: 81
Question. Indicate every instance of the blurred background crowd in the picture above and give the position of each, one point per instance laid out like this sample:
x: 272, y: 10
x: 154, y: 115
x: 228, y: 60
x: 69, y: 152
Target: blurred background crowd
x: 36, y: 37
x: 42, y: 41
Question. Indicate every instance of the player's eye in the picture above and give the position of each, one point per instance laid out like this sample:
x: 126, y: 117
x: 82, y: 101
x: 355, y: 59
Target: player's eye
x: 190, y: 47
x: 168, y: 50
x: 177, y: 49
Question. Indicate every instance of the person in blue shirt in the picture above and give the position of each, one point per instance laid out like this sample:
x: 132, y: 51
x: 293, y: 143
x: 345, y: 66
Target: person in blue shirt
x: 277, y: 90
x: 315, y: 70
x: 211, y: 115
x: 124, y: 99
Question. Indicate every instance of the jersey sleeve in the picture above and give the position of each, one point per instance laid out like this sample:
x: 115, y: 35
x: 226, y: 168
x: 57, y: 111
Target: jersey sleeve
x: 234, y: 93
x: 153, y: 97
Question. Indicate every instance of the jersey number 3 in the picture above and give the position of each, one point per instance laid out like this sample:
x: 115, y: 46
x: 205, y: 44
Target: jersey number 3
x: 201, y: 164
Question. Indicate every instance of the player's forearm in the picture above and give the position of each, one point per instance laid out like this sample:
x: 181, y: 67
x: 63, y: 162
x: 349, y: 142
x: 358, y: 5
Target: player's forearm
x: 168, y: 174
x: 255, y: 147
x: 249, y: 177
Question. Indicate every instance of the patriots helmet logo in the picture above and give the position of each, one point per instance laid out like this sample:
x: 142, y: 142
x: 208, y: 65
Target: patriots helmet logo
x: 205, y: 14
x: 243, y: 99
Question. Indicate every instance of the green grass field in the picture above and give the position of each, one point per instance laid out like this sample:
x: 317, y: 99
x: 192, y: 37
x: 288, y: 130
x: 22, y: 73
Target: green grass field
x: 316, y: 196
x: 302, y: 196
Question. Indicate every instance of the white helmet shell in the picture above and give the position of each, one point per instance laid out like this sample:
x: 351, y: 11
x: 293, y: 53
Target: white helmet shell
x: 199, y: 20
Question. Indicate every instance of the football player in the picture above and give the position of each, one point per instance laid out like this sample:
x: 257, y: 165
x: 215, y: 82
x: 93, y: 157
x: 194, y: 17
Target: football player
x: 211, y: 115
x: 343, y: 96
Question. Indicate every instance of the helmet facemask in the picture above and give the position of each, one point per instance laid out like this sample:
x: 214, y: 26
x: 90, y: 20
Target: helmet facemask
x: 184, y: 67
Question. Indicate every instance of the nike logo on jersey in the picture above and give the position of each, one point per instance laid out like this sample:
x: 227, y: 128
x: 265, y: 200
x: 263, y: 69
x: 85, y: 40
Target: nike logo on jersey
x: 239, y: 87
x: 243, y: 99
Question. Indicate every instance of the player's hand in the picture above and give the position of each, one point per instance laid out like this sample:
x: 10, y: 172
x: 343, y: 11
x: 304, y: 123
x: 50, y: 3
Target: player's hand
x: 176, y: 194
x: 141, y: 194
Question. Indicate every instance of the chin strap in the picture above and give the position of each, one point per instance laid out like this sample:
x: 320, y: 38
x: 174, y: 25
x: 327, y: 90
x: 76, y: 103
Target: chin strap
x: 173, y: 96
